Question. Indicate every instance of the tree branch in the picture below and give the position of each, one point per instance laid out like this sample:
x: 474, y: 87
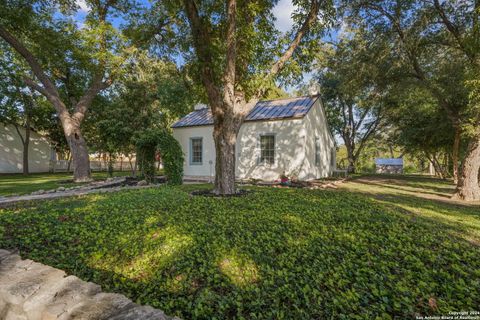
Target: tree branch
x: 448, y: 24
x: 35, y: 86
x: 18, y: 131
x: 412, y: 57
x: 82, y: 105
x: 229, y: 74
x: 362, y: 117
x: 280, y: 63
x: 32, y: 62
x: 311, y: 18
x: 371, y: 129
x: 202, y: 42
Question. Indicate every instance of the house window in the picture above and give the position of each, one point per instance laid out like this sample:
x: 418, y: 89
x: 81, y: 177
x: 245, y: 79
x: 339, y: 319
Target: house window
x: 317, y: 151
x: 332, y: 157
x: 196, y: 150
x: 267, y: 149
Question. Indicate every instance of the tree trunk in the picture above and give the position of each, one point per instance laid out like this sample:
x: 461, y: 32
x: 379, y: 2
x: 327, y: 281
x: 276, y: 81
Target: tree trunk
x: 351, y: 165
x: 350, y: 156
x: 225, y: 137
x: 132, y: 167
x: 110, y: 165
x: 468, y: 185
x: 438, y: 167
x: 455, y: 152
x: 69, y: 163
x: 26, y: 143
x: 431, y: 169
x: 390, y: 148
x: 79, y: 151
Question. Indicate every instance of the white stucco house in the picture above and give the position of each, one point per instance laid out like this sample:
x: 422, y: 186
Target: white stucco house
x: 40, y: 151
x: 288, y: 136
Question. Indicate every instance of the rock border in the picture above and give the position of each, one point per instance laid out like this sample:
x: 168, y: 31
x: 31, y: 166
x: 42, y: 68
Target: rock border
x: 9, y: 201
x: 30, y: 290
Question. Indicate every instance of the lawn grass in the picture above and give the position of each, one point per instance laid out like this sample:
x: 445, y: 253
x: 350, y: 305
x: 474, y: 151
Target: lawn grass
x: 423, y: 196
x: 22, y: 184
x: 353, y: 253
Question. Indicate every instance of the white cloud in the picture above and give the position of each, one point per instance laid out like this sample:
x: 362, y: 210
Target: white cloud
x: 283, y: 12
x: 83, y: 6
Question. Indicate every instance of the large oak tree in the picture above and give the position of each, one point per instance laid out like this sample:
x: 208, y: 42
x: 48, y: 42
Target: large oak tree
x: 238, y: 54
x: 55, y: 49
x: 425, y: 35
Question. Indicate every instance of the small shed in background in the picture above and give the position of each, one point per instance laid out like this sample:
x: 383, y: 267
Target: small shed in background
x: 389, y: 165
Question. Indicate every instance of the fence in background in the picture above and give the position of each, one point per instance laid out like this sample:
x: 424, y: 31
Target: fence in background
x: 95, y: 165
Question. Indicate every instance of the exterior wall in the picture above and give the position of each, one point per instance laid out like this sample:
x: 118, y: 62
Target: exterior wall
x: 317, y: 126
x: 294, y: 148
x: 11, y: 151
x: 289, y: 149
x: 183, y: 136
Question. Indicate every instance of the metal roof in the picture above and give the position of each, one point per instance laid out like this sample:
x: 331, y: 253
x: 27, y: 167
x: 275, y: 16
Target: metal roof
x: 389, y: 161
x: 263, y: 111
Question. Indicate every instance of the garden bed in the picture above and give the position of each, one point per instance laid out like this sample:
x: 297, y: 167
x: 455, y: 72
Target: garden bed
x: 210, y: 193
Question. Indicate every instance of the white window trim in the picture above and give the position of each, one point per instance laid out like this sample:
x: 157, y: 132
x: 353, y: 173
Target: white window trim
x: 191, y: 152
x: 259, y: 147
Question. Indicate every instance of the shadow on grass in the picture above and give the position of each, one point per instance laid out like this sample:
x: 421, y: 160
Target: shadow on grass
x: 438, y: 186
x: 275, y: 253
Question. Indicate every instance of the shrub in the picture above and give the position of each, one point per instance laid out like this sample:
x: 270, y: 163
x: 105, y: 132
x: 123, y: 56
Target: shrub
x: 153, y: 140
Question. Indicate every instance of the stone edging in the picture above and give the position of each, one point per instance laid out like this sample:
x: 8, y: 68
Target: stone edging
x: 8, y: 201
x: 33, y: 291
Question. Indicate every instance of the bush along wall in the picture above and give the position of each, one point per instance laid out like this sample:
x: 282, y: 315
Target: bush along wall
x: 153, y: 140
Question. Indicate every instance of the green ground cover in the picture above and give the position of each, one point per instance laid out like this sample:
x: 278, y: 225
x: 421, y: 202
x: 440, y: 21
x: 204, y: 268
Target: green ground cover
x: 372, y: 249
x: 23, y: 184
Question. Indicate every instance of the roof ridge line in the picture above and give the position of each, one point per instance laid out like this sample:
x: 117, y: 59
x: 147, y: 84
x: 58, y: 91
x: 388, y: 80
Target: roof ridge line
x: 291, y: 98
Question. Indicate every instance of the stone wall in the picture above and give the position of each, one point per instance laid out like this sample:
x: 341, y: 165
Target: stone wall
x: 33, y: 291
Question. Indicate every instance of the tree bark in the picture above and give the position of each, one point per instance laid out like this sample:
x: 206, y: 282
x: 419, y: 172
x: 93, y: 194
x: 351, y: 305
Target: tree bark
x: 350, y: 156
x: 225, y: 138
x: 468, y: 187
x: 438, y: 168
x: 78, y: 150
x: 26, y: 143
x: 455, y: 153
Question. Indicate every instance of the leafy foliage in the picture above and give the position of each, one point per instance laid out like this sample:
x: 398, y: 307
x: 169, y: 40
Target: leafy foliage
x: 352, y: 74
x: 273, y: 254
x: 151, y: 94
x: 148, y: 143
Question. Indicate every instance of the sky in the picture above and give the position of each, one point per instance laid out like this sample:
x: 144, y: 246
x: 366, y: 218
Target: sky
x: 283, y: 12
